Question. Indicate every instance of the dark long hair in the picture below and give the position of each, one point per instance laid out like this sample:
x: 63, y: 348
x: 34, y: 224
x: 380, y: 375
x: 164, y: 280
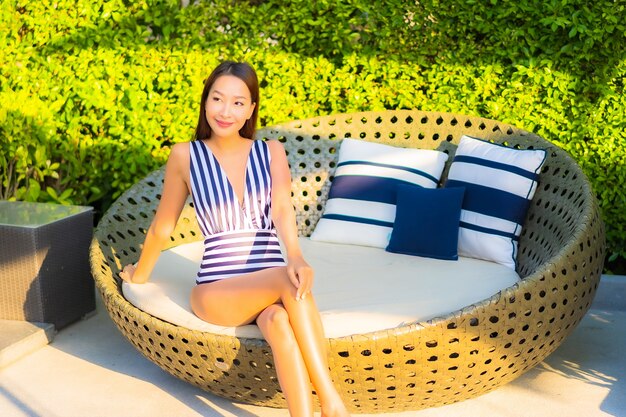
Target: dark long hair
x: 245, y: 73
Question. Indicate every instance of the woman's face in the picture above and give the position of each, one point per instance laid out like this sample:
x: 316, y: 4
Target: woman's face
x: 228, y: 106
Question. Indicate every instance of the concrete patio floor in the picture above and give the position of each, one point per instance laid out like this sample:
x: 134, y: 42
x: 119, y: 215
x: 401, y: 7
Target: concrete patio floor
x: 91, y: 370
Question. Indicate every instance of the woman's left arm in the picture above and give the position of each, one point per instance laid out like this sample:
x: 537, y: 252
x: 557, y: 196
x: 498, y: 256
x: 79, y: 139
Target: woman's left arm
x: 284, y: 217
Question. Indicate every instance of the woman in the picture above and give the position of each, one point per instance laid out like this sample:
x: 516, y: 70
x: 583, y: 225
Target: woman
x: 243, y: 277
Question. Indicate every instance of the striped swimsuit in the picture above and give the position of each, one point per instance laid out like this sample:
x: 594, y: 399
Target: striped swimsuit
x: 239, y: 237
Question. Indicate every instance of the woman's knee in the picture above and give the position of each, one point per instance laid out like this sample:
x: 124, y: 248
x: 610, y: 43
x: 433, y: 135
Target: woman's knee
x: 274, y: 324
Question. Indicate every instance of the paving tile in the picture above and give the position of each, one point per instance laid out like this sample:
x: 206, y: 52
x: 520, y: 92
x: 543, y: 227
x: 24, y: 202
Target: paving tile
x: 20, y: 338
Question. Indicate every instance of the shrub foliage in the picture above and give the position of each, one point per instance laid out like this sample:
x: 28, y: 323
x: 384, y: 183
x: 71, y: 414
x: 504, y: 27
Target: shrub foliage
x: 94, y: 92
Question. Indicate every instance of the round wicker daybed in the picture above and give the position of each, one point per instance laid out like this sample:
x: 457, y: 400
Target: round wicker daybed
x: 462, y: 355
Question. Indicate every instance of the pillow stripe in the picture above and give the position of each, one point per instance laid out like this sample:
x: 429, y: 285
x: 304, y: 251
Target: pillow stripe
x: 492, y: 202
x: 493, y: 178
x: 531, y: 175
x: 361, y: 208
x: 488, y: 230
x: 360, y: 187
x: 403, y: 168
x: 383, y: 172
x: 490, y: 222
x: 357, y: 220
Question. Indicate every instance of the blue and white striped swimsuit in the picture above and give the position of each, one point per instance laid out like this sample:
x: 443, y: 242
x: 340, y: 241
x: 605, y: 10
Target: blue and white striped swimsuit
x: 239, y: 238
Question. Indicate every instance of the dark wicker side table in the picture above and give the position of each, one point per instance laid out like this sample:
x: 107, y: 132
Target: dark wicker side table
x: 44, y: 262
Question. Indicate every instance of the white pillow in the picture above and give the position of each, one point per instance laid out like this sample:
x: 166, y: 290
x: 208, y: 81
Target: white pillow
x: 500, y: 183
x: 361, y: 205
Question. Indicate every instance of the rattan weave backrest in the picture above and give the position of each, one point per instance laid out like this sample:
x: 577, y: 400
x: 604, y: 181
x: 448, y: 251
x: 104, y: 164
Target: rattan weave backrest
x: 312, y: 150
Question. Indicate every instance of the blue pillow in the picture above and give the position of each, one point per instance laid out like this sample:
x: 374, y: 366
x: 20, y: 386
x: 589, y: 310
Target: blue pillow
x: 499, y: 183
x: 427, y: 222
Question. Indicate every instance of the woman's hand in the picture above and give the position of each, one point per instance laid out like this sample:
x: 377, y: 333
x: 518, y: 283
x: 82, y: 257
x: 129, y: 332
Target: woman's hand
x: 301, y: 276
x: 128, y: 272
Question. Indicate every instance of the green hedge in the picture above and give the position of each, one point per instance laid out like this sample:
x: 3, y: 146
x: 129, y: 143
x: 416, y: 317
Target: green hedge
x: 93, y: 93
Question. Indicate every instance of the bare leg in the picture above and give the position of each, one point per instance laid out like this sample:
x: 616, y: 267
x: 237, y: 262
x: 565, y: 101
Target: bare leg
x: 290, y: 367
x: 307, y: 327
x: 238, y: 301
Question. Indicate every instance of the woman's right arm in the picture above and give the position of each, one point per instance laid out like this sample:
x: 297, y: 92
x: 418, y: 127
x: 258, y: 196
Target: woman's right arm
x: 173, y: 199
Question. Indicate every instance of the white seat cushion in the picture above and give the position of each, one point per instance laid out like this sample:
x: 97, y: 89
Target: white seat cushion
x: 358, y: 289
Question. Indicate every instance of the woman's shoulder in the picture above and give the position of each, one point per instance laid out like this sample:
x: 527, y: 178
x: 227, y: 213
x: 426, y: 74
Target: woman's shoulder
x: 180, y: 149
x: 275, y: 146
x: 179, y: 154
x: 278, y: 156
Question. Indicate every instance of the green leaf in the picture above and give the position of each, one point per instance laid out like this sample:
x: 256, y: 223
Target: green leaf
x: 52, y: 193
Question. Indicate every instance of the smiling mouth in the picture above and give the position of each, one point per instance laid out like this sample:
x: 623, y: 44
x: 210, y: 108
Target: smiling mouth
x: 223, y: 124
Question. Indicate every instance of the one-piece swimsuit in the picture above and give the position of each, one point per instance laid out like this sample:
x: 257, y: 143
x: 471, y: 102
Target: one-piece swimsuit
x: 240, y: 236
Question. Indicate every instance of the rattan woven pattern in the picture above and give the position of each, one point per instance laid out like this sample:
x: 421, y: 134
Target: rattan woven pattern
x: 452, y: 358
x: 44, y: 271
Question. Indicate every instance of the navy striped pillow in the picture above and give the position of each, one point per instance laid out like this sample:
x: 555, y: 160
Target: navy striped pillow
x: 361, y: 205
x: 499, y: 183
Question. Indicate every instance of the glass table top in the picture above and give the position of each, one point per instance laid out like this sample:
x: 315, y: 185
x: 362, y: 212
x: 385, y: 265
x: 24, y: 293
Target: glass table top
x: 26, y: 214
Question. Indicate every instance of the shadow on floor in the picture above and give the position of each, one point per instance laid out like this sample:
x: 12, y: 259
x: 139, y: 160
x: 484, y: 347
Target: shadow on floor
x: 592, y: 354
x: 96, y: 340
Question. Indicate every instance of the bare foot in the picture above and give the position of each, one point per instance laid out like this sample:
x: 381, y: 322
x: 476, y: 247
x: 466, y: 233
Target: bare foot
x: 337, y: 409
x: 127, y: 273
